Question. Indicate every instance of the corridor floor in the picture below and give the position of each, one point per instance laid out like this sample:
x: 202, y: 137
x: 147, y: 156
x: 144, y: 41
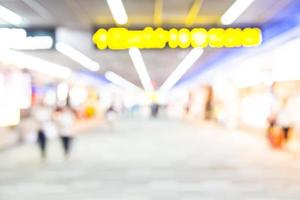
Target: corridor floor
x: 153, y: 160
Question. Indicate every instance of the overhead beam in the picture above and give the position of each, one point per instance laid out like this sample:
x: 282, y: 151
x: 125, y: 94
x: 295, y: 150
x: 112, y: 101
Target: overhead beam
x: 158, y: 9
x: 39, y: 9
x: 192, y: 14
x: 181, y: 69
x: 78, y: 11
x: 275, y: 8
x: 174, y: 20
x: 141, y: 68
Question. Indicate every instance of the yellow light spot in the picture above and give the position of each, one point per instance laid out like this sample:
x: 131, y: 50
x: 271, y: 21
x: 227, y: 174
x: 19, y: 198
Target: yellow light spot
x: 251, y: 37
x: 161, y: 38
x: 216, y: 37
x: 173, y: 38
x: 184, y: 38
x: 233, y: 37
x: 147, y: 37
x: 199, y: 38
x: 100, y: 38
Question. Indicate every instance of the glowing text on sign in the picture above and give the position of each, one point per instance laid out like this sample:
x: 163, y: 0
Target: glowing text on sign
x: 122, y: 38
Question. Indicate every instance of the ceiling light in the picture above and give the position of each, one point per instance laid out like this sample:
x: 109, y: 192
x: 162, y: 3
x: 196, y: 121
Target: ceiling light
x: 187, y: 62
x: 10, y: 16
x: 34, y: 43
x: 118, y: 11
x: 237, y: 8
x: 140, y: 67
x: 16, y: 38
x: 26, y: 61
x: 77, y: 56
x: 120, y: 81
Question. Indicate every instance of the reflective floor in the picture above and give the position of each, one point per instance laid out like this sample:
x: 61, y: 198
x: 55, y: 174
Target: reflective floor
x: 153, y: 159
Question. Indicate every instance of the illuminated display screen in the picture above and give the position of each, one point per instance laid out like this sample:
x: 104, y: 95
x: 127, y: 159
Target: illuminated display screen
x: 148, y: 38
x: 27, y: 38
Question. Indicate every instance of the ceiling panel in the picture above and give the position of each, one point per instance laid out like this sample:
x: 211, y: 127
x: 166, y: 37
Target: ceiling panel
x: 22, y: 9
x: 215, y: 7
x: 19, y: 7
x: 159, y: 64
x: 135, y: 8
x: 81, y: 15
x: 173, y: 8
x: 93, y: 9
x: 61, y: 13
x: 118, y: 62
x: 85, y: 13
x: 256, y: 13
x: 55, y: 57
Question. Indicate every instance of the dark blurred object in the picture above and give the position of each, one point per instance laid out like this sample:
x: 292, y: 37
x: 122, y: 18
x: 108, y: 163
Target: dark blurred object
x: 42, y: 142
x: 154, y: 110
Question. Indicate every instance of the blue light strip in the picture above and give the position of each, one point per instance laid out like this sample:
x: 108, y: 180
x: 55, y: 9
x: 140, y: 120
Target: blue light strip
x: 285, y: 20
x: 94, y: 77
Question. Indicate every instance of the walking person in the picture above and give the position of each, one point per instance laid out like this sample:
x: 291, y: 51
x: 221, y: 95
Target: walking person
x: 284, y: 120
x: 42, y: 115
x: 42, y: 142
x: 154, y: 109
x: 66, y: 119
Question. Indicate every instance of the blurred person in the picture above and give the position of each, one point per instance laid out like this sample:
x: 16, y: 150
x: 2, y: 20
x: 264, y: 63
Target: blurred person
x: 110, y: 113
x: 42, y: 142
x: 274, y: 136
x: 189, y: 103
x: 65, y: 118
x: 271, y: 123
x: 42, y: 114
x: 284, y: 119
x: 154, y: 109
x: 209, y: 104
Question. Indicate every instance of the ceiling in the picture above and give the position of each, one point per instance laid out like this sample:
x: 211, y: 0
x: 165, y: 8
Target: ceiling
x: 76, y: 19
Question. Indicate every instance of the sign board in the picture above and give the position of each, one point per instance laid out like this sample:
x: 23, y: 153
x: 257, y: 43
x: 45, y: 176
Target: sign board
x: 148, y: 38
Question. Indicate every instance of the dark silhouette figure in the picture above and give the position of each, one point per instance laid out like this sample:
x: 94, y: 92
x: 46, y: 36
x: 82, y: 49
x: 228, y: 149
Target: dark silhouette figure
x: 66, y: 143
x: 154, y: 110
x: 42, y: 142
x: 66, y: 119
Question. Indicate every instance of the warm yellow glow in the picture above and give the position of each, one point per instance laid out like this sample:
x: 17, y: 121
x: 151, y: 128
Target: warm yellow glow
x: 184, y: 40
x: 250, y: 37
x: 216, y: 37
x: 199, y: 38
x: 122, y: 38
x: 173, y: 38
x: 233, y: 36
x: 101, y: 39
x: 158, y: 8
x: 192, y: 15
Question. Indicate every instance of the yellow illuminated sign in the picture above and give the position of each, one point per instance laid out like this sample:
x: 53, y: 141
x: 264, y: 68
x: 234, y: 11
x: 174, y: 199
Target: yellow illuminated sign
x: 122, y: 38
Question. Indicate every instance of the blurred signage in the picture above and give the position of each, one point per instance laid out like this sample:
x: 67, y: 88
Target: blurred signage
x: 26, y: 39
x: 148, y: 38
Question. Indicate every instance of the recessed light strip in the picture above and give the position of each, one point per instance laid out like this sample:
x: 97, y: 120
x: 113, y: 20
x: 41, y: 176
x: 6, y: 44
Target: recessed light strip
x: 120, y: 81
x: 10, y: 16
x: 77, y: 56
x: 182, y: 68
x: 141, y: 69
x: 236, y: 10
x: 118, y: 11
